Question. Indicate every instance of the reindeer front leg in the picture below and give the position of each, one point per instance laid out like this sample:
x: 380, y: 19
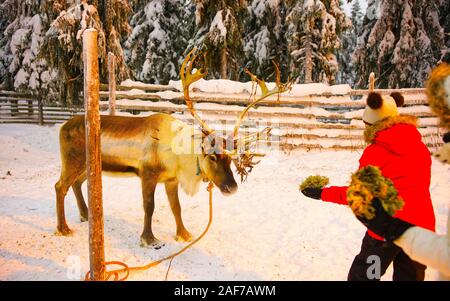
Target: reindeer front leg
x: 148, y: 194
x: 172, y: 195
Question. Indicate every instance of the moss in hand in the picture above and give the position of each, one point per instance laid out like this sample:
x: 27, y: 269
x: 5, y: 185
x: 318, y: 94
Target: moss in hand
x: 314, y: 182
x: 368, y: 183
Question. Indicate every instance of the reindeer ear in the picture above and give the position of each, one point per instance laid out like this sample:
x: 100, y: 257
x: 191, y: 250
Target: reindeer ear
x: 374, y: 100
x: 399, y: 99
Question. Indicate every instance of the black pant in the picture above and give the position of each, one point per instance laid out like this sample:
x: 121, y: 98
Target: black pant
x: 375, y: 257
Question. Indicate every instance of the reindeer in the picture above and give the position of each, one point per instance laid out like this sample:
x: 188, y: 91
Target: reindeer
x: 158, y: 149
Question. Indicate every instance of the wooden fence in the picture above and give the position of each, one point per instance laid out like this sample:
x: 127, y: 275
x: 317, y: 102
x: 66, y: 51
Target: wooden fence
x: 318, y: 121
x: 23, y: 108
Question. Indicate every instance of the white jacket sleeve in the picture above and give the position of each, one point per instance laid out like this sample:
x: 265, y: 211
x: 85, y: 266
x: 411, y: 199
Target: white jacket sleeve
x: 427, y: 248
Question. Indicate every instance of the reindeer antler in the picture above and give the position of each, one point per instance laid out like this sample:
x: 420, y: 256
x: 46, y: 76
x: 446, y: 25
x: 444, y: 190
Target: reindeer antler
x: 244, y: 162
x: 187, y: 78
x: 278, y: 89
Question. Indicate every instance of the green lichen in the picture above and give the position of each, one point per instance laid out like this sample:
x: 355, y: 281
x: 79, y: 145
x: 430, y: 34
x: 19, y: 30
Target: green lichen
x: 368, y: 183
x: 314, y: 182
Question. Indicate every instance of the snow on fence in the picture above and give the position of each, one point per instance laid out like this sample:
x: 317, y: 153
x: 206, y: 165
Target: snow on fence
x: 311, y: 121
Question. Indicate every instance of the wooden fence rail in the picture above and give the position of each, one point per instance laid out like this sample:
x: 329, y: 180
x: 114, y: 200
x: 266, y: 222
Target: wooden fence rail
x: 21, y: 110
x: 310, y: 121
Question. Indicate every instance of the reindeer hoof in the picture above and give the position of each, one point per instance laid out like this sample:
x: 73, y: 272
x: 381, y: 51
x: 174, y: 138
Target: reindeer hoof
x: 151, y: 243
x: 183, y: 236
x: 63, y: 231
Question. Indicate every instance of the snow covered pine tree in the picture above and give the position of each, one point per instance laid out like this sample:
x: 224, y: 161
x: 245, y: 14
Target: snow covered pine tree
x: 161, y: 32
x: 62, y: 44
x: 220, y: 33
x: 347, y: 70
x: 264, y: 37
x: 313, y: 32
x: 395, y: 42
x: 23, y: 27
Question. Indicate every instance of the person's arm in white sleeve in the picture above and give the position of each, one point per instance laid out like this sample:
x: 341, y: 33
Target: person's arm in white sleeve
x: 418, y: 243
x: 426, y: 247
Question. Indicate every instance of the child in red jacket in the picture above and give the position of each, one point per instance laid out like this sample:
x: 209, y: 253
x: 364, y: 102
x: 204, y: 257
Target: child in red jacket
x: 395, y: 147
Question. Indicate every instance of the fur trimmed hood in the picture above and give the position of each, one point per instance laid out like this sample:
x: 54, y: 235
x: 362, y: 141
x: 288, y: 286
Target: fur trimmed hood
x: 371, y: 132
x: 438, y: 92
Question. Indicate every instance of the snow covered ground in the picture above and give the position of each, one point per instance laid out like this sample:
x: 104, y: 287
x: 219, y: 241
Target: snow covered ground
x: 266, y: 231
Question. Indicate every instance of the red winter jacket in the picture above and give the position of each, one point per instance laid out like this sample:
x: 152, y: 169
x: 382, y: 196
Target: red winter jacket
x: 397, y: 149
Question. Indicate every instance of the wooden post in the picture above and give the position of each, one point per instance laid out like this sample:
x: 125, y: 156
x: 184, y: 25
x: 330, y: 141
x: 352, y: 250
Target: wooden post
x: 112, y: 83
x: 371, y: 81
x: 93, y: 156
x: 14, y: 107
x: 308, y: 60
x: 223, y: 63
x: 40, y: 111
x: 30, y: 107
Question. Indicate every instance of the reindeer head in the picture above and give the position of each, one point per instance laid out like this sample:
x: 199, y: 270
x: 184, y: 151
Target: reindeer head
x: 218, y: 152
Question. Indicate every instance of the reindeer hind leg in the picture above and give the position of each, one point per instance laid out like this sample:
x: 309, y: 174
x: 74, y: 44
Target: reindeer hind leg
x: 76, y: 187
x: 61, y: 188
